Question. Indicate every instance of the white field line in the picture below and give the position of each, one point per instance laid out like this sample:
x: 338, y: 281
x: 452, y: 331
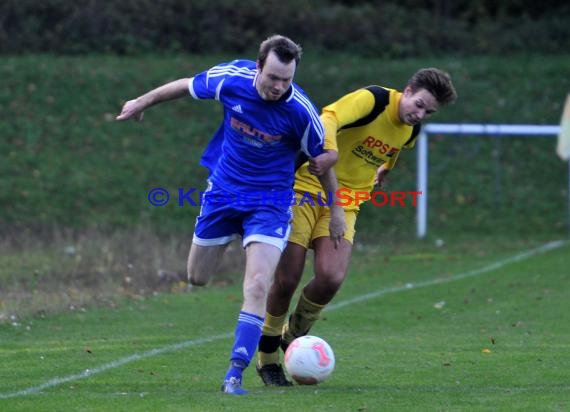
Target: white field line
x: 112, y: 365
x: 196, y: 342
x: 475, y: 272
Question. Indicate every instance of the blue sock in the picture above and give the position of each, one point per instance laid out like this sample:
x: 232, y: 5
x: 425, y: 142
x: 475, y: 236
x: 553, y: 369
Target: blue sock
x: 247, y: 334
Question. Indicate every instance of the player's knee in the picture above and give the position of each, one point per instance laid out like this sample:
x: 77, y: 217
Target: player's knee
x: 331, y: 280
x: 196, y: 278
x: 194, y: 281
x: 257, y: 287
x: 286, y: 286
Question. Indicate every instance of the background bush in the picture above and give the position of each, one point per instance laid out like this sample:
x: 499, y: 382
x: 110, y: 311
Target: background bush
x: 400, y: 28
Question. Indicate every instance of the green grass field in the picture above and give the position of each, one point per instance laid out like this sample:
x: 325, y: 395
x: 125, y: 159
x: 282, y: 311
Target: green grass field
x: 475, y: 325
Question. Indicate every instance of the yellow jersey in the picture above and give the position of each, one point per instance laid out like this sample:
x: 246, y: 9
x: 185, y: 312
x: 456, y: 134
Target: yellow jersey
x: 365, y: 128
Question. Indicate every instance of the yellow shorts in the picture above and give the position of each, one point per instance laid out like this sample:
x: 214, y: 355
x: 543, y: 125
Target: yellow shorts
x: 311, y: 221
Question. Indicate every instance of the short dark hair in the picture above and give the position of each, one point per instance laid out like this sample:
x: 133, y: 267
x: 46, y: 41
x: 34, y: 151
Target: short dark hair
x: 285, y: 49
x: 435, y: 81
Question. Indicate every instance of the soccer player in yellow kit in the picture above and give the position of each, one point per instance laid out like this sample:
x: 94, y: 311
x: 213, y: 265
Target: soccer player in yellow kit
x: 368, y: 128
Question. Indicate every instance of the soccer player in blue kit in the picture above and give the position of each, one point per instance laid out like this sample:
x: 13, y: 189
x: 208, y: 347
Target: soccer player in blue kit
x: 267, y: 120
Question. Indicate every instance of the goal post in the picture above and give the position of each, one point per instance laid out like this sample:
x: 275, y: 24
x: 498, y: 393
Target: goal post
x: 515, y: 130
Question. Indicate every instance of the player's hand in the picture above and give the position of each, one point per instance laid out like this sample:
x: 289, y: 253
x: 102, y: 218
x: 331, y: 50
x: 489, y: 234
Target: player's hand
x: 381, y: 173
x: 337, y: 225
x: 323, y: 162
x: 133, y: 109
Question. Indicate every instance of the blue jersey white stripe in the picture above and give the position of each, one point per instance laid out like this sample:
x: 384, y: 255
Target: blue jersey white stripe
x: 218, y: 88
x: 217, y: 73
x: 231, y: 69
x: 256, y: 145
x: 302, y: 99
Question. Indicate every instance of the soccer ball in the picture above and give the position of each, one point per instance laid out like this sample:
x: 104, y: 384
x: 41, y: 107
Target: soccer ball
x: 309, y: 360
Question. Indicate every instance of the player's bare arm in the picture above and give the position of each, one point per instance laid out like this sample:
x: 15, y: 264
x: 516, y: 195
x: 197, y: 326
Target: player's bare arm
x: 337, y: 225
x: 320, y: 164
x: 134, y: 109
x: 381, y: 173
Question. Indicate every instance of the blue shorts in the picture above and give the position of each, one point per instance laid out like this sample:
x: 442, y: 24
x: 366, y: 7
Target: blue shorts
x: 224, y: 218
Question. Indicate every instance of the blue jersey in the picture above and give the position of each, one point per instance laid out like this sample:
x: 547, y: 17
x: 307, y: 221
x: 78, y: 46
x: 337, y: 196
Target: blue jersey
x: 254, y: 149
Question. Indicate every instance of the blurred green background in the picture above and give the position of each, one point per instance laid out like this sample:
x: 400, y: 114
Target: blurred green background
x: 68, y: 67
x: 76, y: 227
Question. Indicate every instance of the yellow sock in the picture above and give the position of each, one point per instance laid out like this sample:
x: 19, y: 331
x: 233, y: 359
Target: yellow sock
x: 268, y: 352
x: 305, y: 315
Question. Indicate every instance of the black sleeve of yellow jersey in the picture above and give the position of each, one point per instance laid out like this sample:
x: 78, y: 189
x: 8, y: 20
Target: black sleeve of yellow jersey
x: 415, y: 133
x: 381, y: 100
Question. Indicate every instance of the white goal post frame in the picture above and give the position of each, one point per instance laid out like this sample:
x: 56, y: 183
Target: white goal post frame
x: 471, y: 129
